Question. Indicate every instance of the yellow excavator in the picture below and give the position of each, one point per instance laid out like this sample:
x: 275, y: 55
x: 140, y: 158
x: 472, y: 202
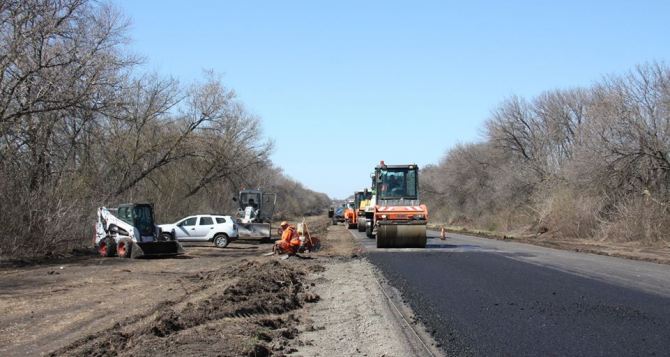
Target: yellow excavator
x: 399, y: 219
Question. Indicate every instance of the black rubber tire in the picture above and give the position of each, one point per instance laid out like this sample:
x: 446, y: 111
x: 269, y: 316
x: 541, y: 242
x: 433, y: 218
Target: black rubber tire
x: 107, y: 247
x: 166, y: 237
x: 221, y: 240
x: 124, y: 248
x: 361, y: 226
x: 368, y: 231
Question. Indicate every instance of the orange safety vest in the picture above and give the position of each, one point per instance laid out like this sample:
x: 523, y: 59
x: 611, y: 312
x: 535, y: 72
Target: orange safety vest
x: 288, y: 234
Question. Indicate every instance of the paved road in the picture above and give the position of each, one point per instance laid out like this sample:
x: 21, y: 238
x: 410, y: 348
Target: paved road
x: 488, y: 297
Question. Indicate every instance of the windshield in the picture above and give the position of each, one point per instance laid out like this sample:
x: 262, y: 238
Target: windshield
x: 361, y: 196
x: 250, y: 199
x: 397, y: 183
x: 144, y: 220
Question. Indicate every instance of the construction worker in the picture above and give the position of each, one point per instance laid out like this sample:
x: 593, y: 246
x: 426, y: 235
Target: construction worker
x: 289, y: 242
x: 250, y: 212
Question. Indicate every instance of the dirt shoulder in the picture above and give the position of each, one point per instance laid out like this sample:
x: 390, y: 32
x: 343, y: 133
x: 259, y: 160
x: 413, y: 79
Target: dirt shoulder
x: 628, y: 250
x: 46, y: 307
x: 354, y: 316
x: 228, y: 302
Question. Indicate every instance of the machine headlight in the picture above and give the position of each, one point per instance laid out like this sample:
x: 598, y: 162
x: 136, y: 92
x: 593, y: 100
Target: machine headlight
x: 419, y: 216
x: 383, y: 216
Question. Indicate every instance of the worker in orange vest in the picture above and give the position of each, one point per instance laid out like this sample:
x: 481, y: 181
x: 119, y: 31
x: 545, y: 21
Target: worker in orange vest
x: 289, y: 242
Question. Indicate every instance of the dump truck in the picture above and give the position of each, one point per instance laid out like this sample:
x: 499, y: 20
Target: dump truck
x: 399, y: 219
x: 129, y: 231
x: 254, y: 215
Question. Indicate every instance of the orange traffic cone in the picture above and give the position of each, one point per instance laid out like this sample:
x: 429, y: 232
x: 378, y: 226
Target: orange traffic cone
x: 443, y: 234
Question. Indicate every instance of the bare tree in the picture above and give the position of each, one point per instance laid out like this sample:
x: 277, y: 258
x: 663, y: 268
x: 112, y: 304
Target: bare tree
x: 80, y: 128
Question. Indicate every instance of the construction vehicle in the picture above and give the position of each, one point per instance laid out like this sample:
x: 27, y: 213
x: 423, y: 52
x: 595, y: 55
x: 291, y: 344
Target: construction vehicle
x: 350, y: 214
x: 129, y: 231
x: 361, y: 202
x: 336, y: 214
x: 369, y: 210
x: 254, y: 215
x: 399, y: 219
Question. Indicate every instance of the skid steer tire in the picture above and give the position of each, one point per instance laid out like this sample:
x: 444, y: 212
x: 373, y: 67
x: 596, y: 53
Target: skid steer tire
x: 107, y: 247
x: 221, y: 240
x: 124, y: 248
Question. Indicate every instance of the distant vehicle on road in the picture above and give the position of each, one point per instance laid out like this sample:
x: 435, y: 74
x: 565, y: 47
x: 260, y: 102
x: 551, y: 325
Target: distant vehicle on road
x: 338, y: 214
x: 218, y: 229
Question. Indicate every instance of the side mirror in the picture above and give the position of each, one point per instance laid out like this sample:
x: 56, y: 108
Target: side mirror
x: 235, y: 199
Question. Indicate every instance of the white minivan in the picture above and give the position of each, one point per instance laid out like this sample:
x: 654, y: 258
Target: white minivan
x: 203, y: 228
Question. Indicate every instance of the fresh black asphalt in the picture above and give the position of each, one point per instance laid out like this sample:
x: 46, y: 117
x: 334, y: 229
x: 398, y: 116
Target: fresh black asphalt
x: 488, y: 304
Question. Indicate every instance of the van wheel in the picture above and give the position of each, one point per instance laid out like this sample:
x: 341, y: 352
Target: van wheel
x: 221, y: 240
x: 166, y: 237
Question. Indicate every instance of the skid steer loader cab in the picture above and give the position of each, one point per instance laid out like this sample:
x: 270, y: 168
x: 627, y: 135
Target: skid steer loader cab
x: 250, y: 198
x: 140, y: 216
x: 255, y: 212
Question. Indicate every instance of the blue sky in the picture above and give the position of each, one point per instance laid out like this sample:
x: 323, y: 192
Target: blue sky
x: 340, y: 85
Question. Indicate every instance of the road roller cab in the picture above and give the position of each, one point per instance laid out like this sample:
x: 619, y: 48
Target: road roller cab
x: 399, y: 217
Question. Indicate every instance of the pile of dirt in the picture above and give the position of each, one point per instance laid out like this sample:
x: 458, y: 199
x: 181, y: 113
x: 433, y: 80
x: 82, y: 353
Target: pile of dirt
x: 246, y: 311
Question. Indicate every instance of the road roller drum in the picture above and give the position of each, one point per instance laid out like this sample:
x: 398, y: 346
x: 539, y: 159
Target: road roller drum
x: 401, y: 236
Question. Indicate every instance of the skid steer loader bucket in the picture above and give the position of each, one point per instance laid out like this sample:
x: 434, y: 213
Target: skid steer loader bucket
x: 254, y: 230
x: 156, y: 249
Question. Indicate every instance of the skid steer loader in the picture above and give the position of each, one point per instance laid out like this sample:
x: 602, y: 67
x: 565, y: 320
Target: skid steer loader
x: 254, y: 215
x: 399, y: 219
x: 129, y: 232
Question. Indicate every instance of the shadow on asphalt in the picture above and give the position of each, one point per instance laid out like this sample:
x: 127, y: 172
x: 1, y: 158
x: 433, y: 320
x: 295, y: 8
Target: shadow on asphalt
x: 452, y: 246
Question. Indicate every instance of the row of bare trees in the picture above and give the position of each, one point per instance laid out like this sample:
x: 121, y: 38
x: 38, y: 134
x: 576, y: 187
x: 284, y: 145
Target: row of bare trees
x: 79, y: 128
x: 589, y: 163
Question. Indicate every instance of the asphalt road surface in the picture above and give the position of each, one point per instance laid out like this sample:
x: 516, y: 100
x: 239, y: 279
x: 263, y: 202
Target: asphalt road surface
x: 485, y: 297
